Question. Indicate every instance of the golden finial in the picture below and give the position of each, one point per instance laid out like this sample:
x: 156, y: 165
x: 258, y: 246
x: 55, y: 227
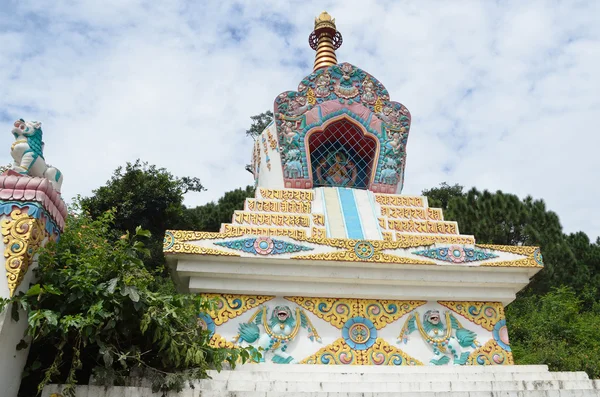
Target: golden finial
x: 325, y: 39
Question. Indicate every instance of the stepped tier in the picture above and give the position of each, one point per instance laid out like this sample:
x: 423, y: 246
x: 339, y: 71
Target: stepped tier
x: 348, y: 276
x: 342, y: 381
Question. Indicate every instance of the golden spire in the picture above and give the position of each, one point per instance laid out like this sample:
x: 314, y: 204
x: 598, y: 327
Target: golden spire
x: 325, y: 39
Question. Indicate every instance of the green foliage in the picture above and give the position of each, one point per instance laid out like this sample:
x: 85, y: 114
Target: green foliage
x: 439, y: 197
x: 210, y: 216
x: 259, y: 123
x: 142, y: 195
x: 556, y: 330
x: 97, y: 309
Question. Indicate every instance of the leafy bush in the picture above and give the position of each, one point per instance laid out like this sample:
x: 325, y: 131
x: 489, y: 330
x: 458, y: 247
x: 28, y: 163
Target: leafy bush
x: 555, y: 329
x: 96, y: 309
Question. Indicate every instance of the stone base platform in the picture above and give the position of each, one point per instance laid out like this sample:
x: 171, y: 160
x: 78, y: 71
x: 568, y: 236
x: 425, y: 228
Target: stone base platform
x: 371, y: 381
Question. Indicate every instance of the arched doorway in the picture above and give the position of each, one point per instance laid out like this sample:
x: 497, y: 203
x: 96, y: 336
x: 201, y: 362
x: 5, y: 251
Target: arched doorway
x: 341, y: 156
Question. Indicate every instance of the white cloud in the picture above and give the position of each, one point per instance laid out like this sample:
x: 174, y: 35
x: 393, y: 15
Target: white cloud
x: 503, y: 95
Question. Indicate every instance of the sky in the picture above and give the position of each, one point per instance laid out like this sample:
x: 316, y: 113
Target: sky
x: 503, y: 95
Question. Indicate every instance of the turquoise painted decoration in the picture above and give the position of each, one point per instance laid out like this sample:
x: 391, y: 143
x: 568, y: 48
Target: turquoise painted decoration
x: 206, y: 323
x: 359, y: 333
x: 456, y: 254
x: 448, y: 340
x: 273, y: 335
x: 263, y: 246
x: 537, y: 256
x: 500, y: 333
x: 364, y: 250
x: 35, y: 210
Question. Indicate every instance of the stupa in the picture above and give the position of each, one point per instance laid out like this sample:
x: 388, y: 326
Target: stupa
x: 330, y: 263
x: 331, y: 268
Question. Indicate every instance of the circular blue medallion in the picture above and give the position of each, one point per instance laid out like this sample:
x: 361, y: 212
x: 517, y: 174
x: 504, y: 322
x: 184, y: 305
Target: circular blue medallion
x: 168, y: 241
x: 364, y: 249
x: 359, y: 333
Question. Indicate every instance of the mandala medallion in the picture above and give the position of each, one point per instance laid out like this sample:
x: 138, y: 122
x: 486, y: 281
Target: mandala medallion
x: 263, y: 245
x: 168, y: 241
x: 364, y: 249
x: 359, y: 333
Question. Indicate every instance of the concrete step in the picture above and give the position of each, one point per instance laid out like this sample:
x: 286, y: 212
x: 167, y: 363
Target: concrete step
x: 99, y: 391
x: 309, y: 386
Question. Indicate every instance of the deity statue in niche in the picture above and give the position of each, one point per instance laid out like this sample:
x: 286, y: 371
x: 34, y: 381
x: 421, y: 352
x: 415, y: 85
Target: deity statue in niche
x: 346, y: 88
x: 336, y: 169
x: 368, y: 95
x: 322, y: 85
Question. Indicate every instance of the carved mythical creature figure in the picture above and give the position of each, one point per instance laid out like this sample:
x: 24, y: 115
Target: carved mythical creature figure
x: 345, y: 88
x: 278, y: 332
x: 446, y: 340
x: 28, y: 153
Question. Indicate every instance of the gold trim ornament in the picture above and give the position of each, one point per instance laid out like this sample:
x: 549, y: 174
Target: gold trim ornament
x: 232, y: 306
x: 380, y: 353
x: 338, y: 311
x: 484, y: 314
x: 23, y: 235
x: 490, y: 354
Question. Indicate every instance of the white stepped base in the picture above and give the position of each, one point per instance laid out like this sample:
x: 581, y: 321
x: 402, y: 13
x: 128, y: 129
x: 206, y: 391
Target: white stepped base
x: 371, y: 381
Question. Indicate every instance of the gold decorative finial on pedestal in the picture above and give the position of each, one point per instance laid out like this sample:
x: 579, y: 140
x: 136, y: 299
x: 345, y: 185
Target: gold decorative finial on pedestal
x: 325, y: 39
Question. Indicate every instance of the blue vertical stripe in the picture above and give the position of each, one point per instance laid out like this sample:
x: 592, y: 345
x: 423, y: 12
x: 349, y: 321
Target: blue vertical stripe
x: 350, y: 213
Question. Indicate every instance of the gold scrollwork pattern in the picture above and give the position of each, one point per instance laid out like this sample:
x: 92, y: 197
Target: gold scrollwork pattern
x: 217, y: 341
x: 381, y: 353
x: 526, y: 262
x: 350, y: 256
x: 333, y: 310
x: 490, y: 354
x: 484, y: 314
x: 186, y: 235
x: 185, y: 248
x: 22, y: 234
x: 231, y: 306
x: 513, y: 249
x: 337, y: 311
x: 384, y: 312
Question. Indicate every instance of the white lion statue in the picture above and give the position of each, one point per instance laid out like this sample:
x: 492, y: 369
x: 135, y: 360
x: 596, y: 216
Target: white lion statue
x: 28, y: 153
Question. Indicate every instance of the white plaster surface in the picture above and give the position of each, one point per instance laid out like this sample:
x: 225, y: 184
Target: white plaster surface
x: 352, y: 381
x: 273, y: 178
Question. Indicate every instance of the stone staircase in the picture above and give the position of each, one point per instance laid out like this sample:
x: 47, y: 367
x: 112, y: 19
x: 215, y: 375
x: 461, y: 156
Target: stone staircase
x: 371, y: 381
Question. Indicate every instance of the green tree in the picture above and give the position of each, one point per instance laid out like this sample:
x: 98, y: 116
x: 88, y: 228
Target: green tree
x: 210, y: 216
x: 440, y: 197
x: 97, y: 309
x: 259, y: 123
x: 500, y: 218
x: 143, y: 195
x: 556, y: 330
